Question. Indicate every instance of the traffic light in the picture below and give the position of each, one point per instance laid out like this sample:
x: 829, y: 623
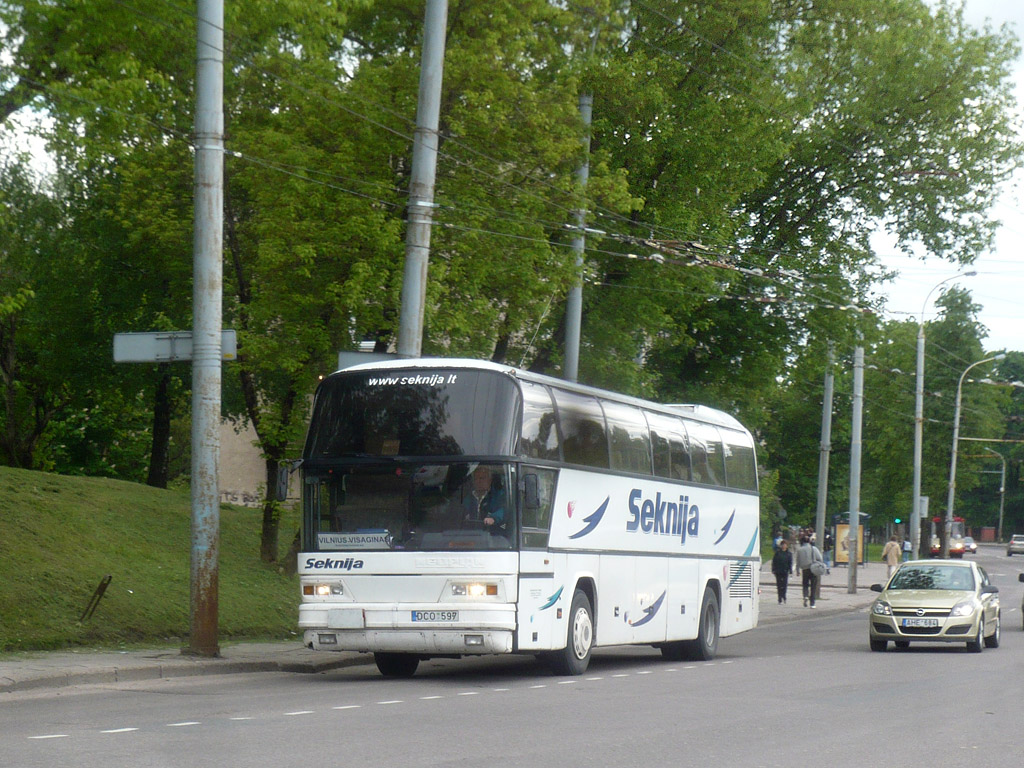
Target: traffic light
x: 897, y: 521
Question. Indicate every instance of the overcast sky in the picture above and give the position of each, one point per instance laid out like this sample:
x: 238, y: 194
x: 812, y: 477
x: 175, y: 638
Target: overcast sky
x: 999, y: 284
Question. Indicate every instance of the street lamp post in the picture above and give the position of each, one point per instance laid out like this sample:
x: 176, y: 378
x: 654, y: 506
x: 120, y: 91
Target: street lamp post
x: 915, y: 504
x: 952, y: 459
x: 1002, y: 491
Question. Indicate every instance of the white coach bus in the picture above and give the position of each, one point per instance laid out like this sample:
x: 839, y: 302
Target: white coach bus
x: 457, y: 507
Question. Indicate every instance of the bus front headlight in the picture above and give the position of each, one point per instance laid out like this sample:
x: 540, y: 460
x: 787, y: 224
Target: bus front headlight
x: 474, y: 590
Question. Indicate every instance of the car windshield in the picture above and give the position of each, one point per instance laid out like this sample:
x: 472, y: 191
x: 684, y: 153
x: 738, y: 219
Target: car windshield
x: 933, y: 577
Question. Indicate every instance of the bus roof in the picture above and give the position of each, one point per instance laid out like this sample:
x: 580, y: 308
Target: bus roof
x: 697, y: 412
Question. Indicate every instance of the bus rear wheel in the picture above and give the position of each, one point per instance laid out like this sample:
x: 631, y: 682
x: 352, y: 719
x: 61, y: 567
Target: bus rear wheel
x: 705, y: 646
x: 575, y: 657
x: 396, y: 664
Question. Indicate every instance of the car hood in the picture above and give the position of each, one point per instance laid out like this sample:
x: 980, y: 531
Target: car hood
x: 925, y: 598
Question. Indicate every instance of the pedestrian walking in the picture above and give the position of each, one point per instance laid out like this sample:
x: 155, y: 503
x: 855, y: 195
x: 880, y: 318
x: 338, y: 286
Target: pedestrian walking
x: 907, y: 549
x: 891, y: 554
x: 806, y: 557
x: 782, y: 565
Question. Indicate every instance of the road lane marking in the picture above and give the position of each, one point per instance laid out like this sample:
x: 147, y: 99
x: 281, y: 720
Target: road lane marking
x: 120, y: 730
x: 51, y: 736
x: 299, y: 712
x: 184, y: 724
x: 349, y: 706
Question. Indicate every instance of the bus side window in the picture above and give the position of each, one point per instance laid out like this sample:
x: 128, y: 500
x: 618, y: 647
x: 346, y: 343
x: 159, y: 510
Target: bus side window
x: 584, y: 440
x: 740, y: 466
x: 630, y: 439
x: 706, y: 453
x: 539, y: 438
x: 669, y: 443
x: 537, y: 494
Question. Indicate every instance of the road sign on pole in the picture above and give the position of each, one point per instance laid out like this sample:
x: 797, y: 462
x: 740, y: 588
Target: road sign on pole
x: 166, y: 346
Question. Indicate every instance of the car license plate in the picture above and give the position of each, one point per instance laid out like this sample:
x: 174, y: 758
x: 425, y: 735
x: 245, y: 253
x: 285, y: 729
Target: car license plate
x: 920, y: 622
x: 435, y: 615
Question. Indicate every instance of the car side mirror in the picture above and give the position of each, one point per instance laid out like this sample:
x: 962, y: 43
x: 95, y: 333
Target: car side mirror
x: 876, y: 587
x: 990, y: 589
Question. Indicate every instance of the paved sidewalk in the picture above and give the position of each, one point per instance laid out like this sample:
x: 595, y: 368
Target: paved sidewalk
x: 835, y: 595
x: 55, y: 669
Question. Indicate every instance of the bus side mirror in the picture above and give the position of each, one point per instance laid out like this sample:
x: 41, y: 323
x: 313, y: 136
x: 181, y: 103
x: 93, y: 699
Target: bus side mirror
x: 531, y: 492
x: 283, y: 472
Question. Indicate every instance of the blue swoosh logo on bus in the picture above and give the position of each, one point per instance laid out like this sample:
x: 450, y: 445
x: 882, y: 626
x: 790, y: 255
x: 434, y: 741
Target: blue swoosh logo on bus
x: 650, y: 612
x: 726, y: 527
x: 553, y: 599
x: 592, y: 520
x: 746, y: 564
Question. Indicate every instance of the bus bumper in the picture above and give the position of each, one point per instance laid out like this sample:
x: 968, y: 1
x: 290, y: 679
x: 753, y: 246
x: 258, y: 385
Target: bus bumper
x: 371, y: 630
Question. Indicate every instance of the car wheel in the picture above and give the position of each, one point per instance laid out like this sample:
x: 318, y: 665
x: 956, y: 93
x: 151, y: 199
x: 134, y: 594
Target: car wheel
x: 878, y: 645
x: 992, y: 641
x: 977, y: 645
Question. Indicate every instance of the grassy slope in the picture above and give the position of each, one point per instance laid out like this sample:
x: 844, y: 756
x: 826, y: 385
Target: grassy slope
x: 59, y: 536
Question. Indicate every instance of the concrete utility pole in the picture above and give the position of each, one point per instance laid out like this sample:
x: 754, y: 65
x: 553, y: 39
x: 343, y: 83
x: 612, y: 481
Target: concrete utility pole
x: 421, y: 184
x: 825, y: 450
x: 207, y: 291
x: 855, y: 446
x: 574, y: 302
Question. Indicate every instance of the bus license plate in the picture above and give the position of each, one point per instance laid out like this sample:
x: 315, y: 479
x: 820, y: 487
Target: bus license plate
x: 435, y: 615
x: 920, y: 622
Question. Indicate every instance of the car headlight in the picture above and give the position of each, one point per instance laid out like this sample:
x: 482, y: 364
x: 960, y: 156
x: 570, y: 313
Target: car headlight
x: 881, y: 608
x: 964, y: 608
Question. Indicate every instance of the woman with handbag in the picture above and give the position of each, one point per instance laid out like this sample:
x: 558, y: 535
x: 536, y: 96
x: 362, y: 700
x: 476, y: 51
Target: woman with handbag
x: 806, y: 557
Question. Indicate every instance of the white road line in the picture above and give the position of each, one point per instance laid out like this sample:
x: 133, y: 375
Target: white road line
x: 469, y: 693
x: 299, y: 712
x: 595, y: 678
x: 499, y: 690
x: 393, y: 701
x: 621, y: 674
x: 51, y: 736
x: 538, y: 686
x: 644, y: 672
x: 429, y: 698
x: 349, y: 706
x: 183, y: 725
x: 120, y: 730
x: 241, y: 718
x: 566, y: 682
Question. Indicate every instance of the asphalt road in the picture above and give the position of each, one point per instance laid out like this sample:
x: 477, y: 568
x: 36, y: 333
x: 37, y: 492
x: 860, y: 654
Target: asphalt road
x: 806, y: 692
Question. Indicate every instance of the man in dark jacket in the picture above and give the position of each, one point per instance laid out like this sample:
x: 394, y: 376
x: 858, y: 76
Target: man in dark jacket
x: 782, y: 565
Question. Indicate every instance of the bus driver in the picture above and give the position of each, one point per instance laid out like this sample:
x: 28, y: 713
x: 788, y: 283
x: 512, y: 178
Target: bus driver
x: 484, y: 500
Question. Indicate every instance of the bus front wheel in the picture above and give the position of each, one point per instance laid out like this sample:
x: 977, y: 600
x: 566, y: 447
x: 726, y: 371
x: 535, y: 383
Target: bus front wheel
x: 396, y: 664
x: 575, y: 657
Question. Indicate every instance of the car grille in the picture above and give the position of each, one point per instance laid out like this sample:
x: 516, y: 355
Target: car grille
x: 920, y: 630
x: 929, y: 613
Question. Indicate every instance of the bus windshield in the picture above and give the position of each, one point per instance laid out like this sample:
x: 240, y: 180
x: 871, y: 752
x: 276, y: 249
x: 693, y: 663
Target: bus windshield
x: 424, y: 507
x: 436, y: 412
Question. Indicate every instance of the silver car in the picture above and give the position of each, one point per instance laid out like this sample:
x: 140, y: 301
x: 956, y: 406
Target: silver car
x: 938, y: 602
x: 1015, y: 545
